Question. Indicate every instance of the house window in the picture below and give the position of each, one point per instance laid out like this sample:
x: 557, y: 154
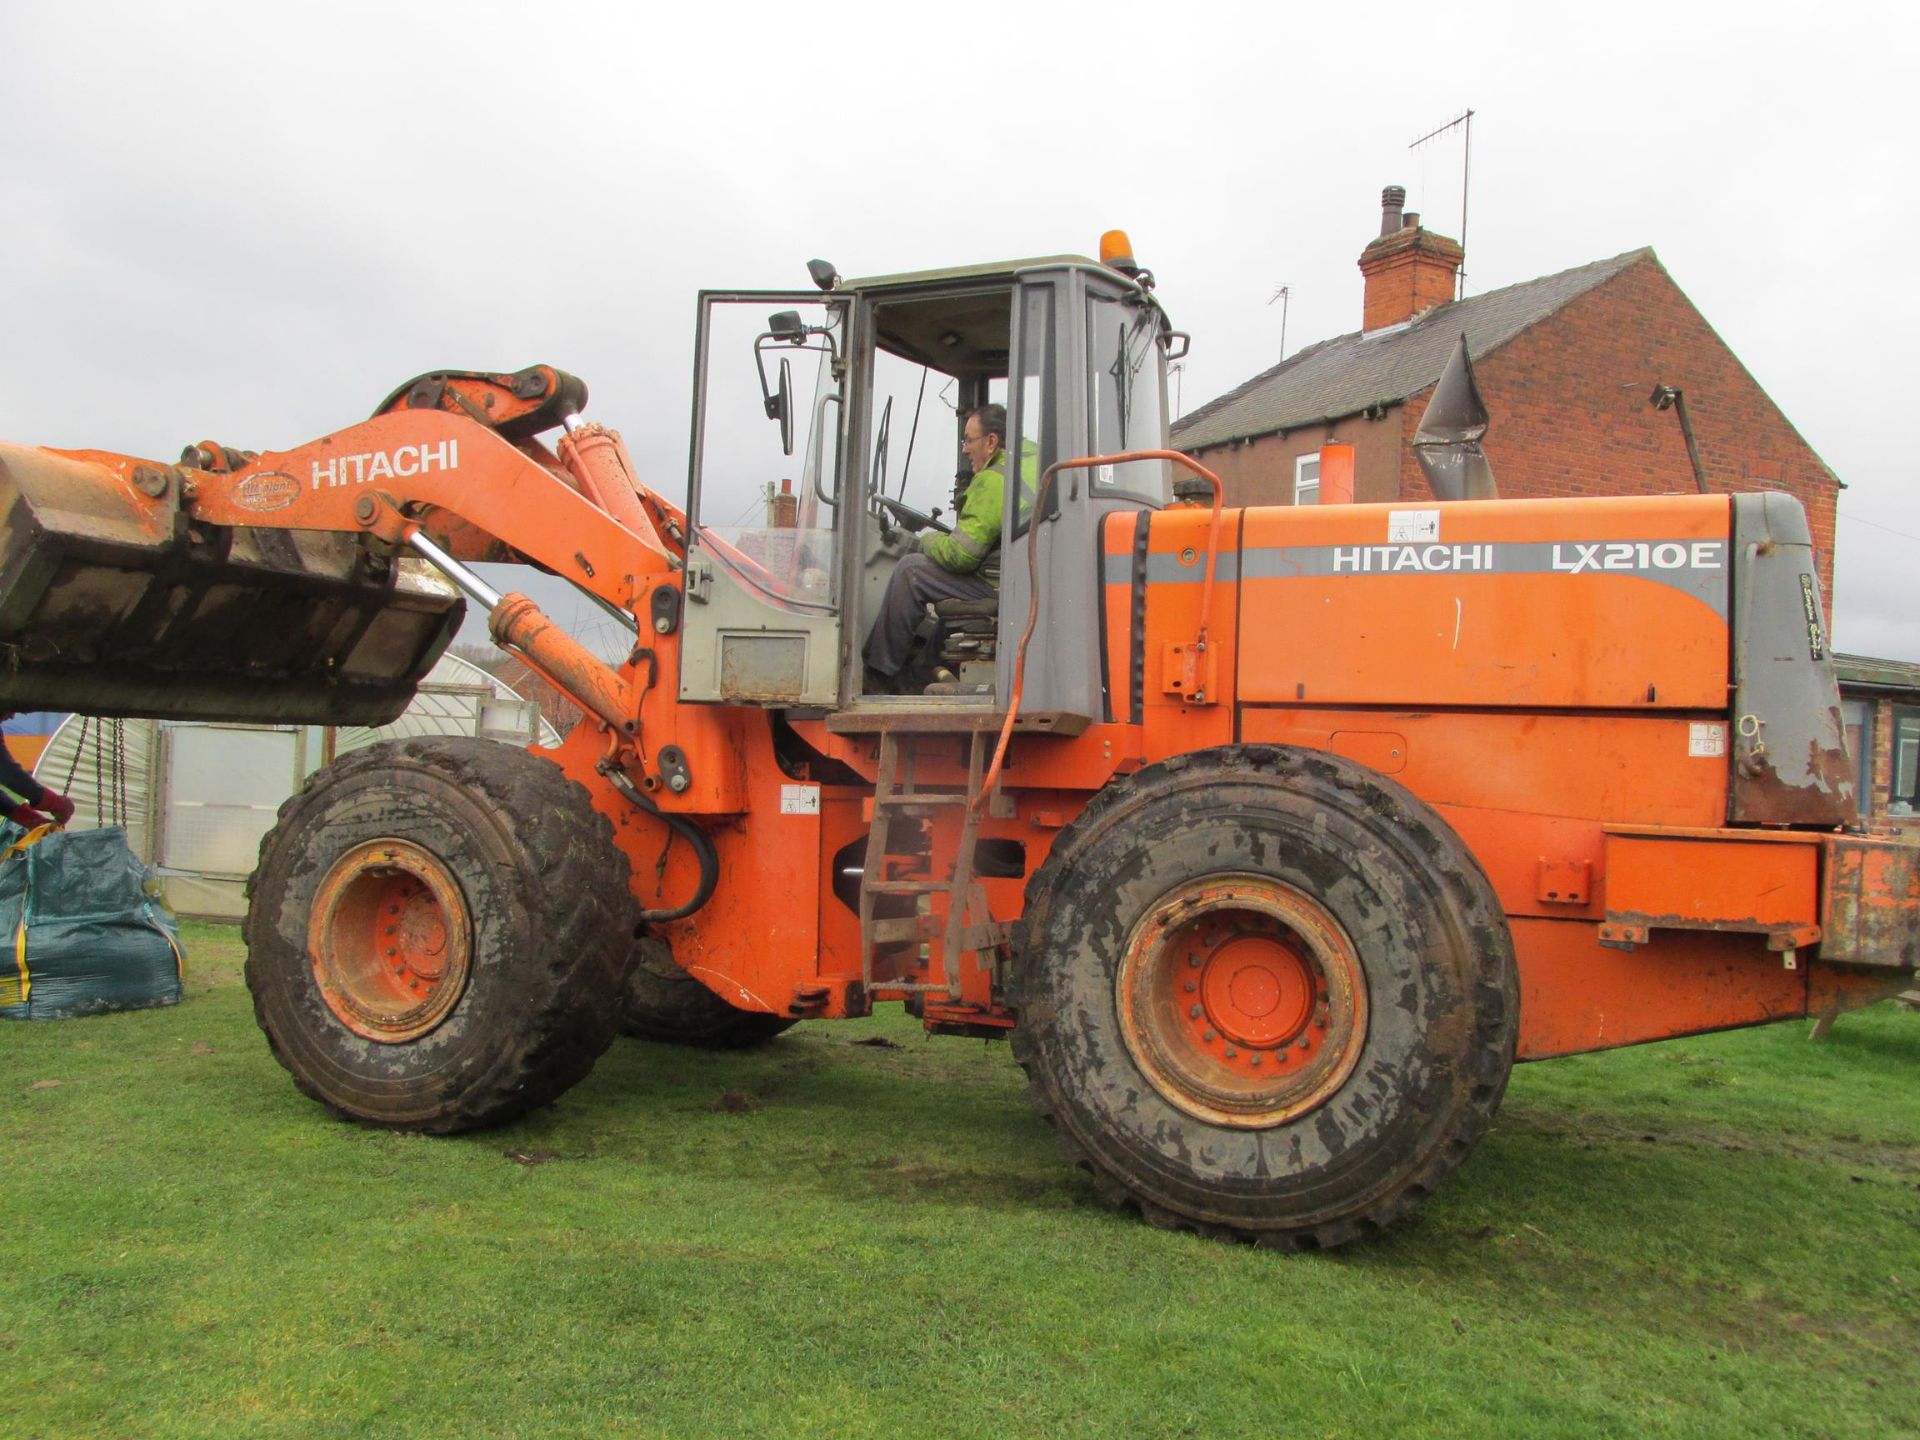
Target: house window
x: 1905, y: 799
x: 1306, y: 480
x: 1858, y: 717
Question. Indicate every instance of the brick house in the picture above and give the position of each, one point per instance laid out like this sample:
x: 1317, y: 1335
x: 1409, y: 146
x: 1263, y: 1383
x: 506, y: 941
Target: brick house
x: 1880, y: 700
x: 1567, y: 364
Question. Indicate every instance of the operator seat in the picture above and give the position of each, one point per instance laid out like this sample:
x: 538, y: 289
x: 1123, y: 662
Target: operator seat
x: 965, y: 639
x: 968, y: 630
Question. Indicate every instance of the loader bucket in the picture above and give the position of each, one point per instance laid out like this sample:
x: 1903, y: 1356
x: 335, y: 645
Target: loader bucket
x: 115, y: 602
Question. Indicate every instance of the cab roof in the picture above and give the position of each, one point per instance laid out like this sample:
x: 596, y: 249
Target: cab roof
x: 992, y: 270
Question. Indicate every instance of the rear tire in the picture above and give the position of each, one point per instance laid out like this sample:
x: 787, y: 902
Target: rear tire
x: 660, y: 1001
x: 1265, y: 993
x: 436, y: 934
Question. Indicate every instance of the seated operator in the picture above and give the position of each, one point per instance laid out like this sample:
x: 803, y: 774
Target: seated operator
x: 948, y: 567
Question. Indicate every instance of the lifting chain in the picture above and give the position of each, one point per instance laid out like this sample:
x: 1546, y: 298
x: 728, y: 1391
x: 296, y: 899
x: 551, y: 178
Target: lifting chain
x: 109, y: 755
x: 120, y: 811
x: 79, y: 749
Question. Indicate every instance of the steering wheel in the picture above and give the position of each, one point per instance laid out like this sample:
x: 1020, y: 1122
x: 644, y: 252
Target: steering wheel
x: 907, y: 517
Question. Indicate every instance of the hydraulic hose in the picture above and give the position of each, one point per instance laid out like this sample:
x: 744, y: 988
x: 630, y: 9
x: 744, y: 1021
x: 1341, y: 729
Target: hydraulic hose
x: 697, y: 840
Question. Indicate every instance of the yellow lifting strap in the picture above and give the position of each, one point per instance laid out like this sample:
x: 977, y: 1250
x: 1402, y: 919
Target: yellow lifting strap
x: 179, y: 955
x: 17, y: 988
x: 27, y: 841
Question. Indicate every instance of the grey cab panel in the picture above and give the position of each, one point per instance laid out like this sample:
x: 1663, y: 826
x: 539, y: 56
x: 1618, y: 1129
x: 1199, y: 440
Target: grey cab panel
x: 1790, y: 747
x: 1091, y: 381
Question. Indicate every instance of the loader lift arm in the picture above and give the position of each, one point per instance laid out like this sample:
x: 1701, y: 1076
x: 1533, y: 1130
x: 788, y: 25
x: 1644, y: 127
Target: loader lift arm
x: 458, y: 481
x: 450, y: 459
x: 437, y: 472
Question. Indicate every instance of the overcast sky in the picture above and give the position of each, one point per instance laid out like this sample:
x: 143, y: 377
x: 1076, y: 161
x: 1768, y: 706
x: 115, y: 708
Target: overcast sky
x: 250, y: 222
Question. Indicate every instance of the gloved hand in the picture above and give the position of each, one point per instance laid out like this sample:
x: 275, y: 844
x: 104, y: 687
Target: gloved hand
x: 26, y: 817
x: 58, y: 806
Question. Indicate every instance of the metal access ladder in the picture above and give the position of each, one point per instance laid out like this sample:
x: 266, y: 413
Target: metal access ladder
x: 970, y: 928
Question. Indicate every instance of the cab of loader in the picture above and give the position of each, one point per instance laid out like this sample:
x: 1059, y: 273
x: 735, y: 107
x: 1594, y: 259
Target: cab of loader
x: 827, y: 439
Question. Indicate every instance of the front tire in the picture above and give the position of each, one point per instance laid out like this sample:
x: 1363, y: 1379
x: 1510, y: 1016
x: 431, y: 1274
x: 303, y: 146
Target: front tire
x: 1265, y: 993
x: 662, y: 1002
x: 436, y: 933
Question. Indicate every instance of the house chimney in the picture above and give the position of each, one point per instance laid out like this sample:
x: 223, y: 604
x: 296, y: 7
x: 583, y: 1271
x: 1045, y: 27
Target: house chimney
x: 1408, y: 270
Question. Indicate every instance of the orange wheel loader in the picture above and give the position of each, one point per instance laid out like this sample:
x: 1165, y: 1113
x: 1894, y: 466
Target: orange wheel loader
x: 1271, y: 837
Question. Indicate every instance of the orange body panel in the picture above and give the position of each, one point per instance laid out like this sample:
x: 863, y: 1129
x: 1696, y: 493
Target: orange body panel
x: 1486, y: 612
x: 1871, y: 909
x: 1606, y: 769
x: 1576, y: 995
x: 1725, y: 881
x: 759, y: 933
x: 1176, y: 570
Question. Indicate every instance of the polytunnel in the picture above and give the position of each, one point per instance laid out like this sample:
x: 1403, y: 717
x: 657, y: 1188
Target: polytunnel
x: 196, y: 798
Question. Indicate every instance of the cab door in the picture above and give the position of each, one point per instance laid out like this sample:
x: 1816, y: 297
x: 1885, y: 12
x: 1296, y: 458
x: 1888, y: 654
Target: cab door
x: 1088, y: 378
x: 761, y: 622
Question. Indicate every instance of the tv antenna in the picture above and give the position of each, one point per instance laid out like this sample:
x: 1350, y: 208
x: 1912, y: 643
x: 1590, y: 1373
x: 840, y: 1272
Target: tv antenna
x: 1284, y: 295
x: 1462, y: 122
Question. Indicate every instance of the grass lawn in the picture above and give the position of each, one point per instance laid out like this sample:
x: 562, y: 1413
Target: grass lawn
x: 859, y: 1231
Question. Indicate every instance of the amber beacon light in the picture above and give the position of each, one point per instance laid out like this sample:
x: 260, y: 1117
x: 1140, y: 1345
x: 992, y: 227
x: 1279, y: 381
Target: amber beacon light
x: 1116, y: 252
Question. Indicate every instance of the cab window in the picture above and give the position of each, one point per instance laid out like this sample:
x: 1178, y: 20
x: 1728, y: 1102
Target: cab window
x: 1124, y: 402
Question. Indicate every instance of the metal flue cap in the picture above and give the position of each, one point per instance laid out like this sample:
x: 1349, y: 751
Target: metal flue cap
x: 1392, y: 200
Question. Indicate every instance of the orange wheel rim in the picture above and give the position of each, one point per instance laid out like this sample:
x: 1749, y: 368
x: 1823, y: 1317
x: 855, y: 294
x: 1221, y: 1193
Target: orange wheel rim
x: 1242, y: 1000
x: 390, y: 941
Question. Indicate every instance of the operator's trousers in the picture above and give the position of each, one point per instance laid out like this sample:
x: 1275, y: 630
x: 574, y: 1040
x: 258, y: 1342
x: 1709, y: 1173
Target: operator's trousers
x: 915, y: 582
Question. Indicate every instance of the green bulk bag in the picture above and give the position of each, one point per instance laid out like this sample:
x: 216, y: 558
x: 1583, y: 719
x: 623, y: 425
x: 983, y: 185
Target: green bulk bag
x: 81, y: 933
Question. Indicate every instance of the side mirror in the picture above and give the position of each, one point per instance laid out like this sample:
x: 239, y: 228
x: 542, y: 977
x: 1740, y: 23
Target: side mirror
x: 786, y: 327
x: 780, y: 407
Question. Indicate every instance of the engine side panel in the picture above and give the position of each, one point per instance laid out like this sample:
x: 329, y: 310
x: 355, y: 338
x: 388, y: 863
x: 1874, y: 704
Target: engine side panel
x: 1564, y: 605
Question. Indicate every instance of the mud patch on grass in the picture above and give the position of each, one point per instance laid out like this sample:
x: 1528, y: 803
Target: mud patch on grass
x: 900, y: 1179
x: 1848, y: 1151
x: 530, y: 1158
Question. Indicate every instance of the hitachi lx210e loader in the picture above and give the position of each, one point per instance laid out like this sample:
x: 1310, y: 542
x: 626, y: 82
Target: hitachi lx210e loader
x: 1272, y: 837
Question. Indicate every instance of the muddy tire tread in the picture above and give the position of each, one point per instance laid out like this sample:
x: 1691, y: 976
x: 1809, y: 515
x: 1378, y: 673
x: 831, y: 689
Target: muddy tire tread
x: 663, y: 1003
x: 1495, y: 1016
x: 585, y: 926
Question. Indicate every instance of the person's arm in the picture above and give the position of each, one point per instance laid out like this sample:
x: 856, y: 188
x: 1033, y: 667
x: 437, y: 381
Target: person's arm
x: 976, y: 533
x: 34, y: 796
x: 14, y: 777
